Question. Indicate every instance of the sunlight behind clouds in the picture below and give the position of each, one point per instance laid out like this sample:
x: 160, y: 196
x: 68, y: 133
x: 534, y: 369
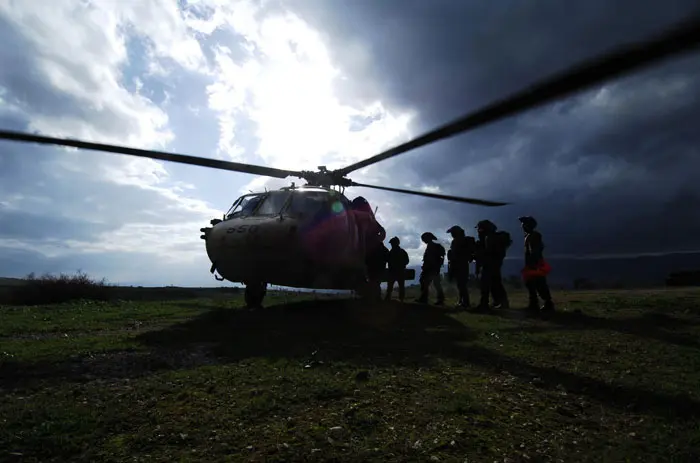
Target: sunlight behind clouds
x: 286, y: 87
x: 119, y: 72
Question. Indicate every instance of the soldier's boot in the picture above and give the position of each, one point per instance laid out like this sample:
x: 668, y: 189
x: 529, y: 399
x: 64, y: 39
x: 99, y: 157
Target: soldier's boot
x: 440, y: 299
x: 440, y: 294
x: 422, y: 299
x: 463, y: 298
x: 483, y: 304
x: 533, y: 305
x: 548, y: 306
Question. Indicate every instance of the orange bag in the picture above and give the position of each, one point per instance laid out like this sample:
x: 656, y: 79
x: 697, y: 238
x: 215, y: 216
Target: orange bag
x: 542, y: 269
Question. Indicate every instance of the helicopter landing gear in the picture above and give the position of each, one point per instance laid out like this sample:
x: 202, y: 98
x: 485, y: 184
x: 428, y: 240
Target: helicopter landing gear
x: 254, y: 294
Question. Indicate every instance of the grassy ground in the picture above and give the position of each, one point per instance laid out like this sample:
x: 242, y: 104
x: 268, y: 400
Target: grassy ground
x: 328, y: 380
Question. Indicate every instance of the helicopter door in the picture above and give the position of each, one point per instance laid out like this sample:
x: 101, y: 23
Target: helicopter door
x: 346, y: 232
x: 352, y: 243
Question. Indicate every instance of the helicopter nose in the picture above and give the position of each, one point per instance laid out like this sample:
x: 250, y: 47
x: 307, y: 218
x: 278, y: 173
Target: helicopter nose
x: 246, y: 240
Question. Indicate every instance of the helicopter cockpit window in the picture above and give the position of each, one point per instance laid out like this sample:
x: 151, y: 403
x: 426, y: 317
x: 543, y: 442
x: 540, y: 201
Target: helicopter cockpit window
x: 315, y: 204
x: 244, y: 206
x: 308, y: 204
x: 273, y: 203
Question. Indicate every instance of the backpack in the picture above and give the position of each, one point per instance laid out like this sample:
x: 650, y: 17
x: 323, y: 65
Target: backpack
x: 503, y: 240
x: 441, y: 254
x: 470, y: 245
x: 462, y: 249
x: 404, y: 258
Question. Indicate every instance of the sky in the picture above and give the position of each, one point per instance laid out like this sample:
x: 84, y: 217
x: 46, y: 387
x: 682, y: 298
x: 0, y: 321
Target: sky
x: 611, y: 172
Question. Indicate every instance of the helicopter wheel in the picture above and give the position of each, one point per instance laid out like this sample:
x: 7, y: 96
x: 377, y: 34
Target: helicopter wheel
x: 254, y: 295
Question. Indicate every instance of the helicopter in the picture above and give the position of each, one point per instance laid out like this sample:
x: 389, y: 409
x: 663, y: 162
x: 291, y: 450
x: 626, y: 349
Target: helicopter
x: 312, y: 236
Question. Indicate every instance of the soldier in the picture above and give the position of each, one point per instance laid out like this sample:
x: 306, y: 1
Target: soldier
x: 460, y: 254
x: 371, y: 235
x: 398, y: 260
x: 490, y: 251
x: 376, y: 265
x: 534, y: 259
x: 433, y: 260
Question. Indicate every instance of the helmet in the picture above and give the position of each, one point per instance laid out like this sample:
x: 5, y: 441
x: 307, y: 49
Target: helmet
x: 456, y: 229
x: 486, y: 225
x: 395, y: 240
x: 359, y: 200
x: 360, y: 204
x: 528, y: 221
x: 427, y: 236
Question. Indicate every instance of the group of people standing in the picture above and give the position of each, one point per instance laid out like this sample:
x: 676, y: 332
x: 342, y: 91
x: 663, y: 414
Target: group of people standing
x: 487, y: 251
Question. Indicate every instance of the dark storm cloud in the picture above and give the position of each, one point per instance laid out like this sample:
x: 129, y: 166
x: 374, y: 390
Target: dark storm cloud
x: 612, y: 170
x: 447, y: 57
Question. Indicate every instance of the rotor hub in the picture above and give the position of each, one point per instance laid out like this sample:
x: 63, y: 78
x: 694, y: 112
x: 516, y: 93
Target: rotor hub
x: 325, y: 178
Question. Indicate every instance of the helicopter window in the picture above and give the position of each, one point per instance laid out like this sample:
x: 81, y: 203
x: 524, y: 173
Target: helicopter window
x: 310, y: 204
x: 244, y: 206
x: 273, y: 203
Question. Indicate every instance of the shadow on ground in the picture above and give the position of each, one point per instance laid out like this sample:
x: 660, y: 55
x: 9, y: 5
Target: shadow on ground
x: 650, y: 325
x: 333, y: 332
x: 344, y: 330
x: 330, y: 330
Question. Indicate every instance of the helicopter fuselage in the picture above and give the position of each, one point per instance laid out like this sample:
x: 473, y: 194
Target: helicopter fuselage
x: 296, y: 237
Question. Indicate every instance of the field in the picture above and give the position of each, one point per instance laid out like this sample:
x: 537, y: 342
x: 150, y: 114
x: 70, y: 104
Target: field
x: 614, y: 376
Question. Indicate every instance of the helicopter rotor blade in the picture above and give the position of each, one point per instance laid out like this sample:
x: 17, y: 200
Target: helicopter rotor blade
x: 623, y: 60
x: 478, y: 202
x: 160, y: 155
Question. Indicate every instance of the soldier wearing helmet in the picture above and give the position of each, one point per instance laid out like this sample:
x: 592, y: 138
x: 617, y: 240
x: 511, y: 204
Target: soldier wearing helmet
x: 490, y: 252
x: 536, y: 283
x: 371, y: 235
x: 376, y: 261
x: 459, y: 256
x: 398, y: 260
x: 433, y: 260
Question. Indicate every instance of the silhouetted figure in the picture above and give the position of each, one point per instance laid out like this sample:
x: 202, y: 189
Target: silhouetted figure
x: 433, y: 260
x: 376, y: 264
x: 371, y: 232
x: 398, y: 261
x: 371, y: 235
x: 491, y: 249
x: 536, y: 268
x: 459, y: 256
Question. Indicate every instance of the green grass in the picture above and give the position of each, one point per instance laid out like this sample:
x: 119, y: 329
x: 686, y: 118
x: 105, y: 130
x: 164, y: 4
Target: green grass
x: 332, y: 380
